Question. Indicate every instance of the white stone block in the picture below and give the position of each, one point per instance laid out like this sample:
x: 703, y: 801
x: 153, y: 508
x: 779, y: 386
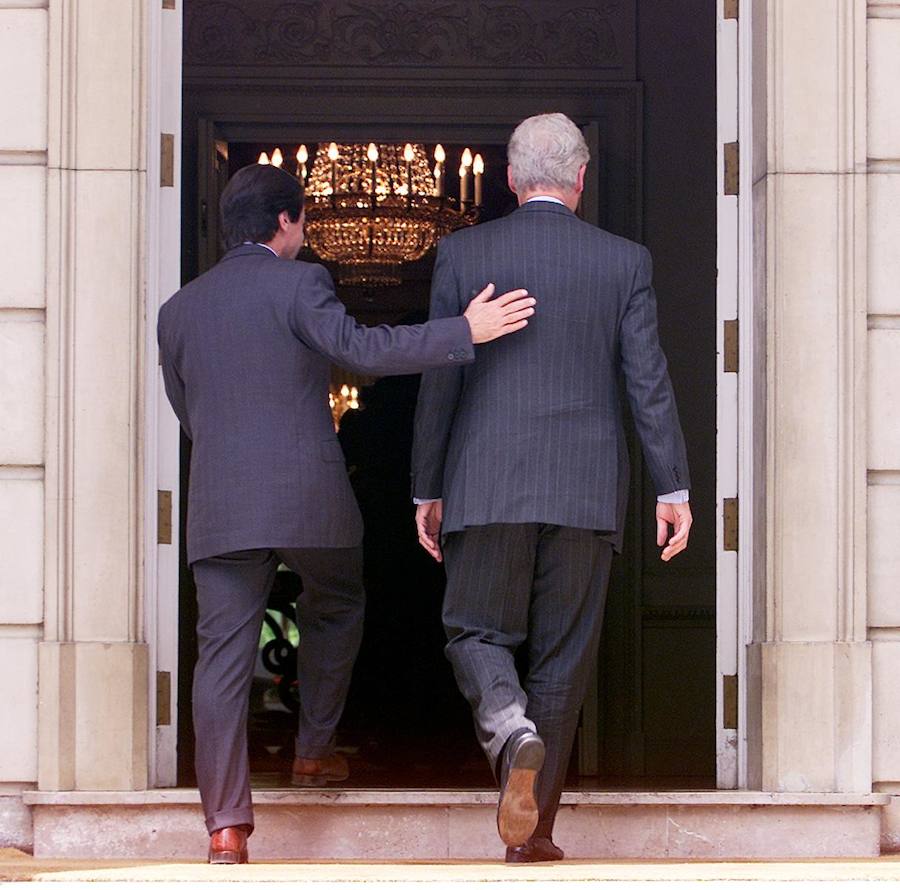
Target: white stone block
x: 108, y: 298
x: 16, y: 828
x: 821, y: 685
x: 884, y: 238
x: 890, y: 827
x: 21, y: 392
x: 803, y: 328
x: 883, y: 80
x: 884, y: 556
x: 23, y: 214
x: 18, y: 709
x: 885, y: 711
x: 111, y: 716
x: 23, y: 73
x: 21, y: 551
x: 108, y: 93
x: 884, y: 406
x: 812, y: 51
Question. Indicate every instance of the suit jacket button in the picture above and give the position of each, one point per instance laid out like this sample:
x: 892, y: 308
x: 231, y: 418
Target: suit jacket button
x: 451, y: 356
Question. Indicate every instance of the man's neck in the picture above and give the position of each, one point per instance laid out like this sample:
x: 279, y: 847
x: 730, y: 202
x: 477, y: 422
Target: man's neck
x: 570, y: 199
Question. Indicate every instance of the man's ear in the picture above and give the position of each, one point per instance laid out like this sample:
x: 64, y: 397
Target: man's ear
x: 509, y: 180
x: 579, y: 186
x: 284, y: 220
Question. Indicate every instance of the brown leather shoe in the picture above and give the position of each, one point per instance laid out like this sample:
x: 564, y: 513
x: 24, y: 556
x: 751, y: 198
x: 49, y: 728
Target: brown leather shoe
x: 315, y: 773
x: 538, y: 849
x: 228, y: 846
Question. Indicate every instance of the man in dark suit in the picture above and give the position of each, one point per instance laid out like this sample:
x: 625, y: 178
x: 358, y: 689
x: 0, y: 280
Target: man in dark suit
x: 245, y: 351
x: 520, y: 468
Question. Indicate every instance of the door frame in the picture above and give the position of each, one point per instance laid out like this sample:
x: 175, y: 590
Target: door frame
x: 740, y: 397
x: 161, y: 437
x: 741, y: 425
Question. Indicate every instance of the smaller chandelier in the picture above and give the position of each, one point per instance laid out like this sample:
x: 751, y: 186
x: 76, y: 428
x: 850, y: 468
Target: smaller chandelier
x: 341, y: 400
x: 371, y: 208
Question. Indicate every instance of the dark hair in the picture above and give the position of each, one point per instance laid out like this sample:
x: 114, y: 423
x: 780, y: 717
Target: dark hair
x: 253, y: 199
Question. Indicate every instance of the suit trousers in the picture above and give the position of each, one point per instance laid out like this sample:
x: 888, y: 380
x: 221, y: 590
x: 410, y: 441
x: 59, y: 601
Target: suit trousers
x: 232, y: 591
x: 538, y: 586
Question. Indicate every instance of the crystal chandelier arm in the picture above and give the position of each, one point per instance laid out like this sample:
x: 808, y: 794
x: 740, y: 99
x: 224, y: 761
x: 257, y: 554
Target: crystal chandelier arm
x: 320, y: 320
x: 439, y: 392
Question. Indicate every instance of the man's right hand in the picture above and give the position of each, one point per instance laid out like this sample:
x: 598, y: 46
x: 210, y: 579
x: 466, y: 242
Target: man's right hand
x: 678, y: 516
x: 489, y: 319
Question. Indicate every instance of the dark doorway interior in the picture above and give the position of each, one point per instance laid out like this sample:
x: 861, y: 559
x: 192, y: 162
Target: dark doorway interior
x: 650, y: 121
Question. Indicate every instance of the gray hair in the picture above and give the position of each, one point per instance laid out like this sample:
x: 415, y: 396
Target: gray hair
x: 546, y: 150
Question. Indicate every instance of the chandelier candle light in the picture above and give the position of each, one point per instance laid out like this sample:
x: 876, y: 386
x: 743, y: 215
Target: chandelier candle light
x: 372, y: 207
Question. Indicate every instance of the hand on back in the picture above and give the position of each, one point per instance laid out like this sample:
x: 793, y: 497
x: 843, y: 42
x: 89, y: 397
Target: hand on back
x: 489, y: 319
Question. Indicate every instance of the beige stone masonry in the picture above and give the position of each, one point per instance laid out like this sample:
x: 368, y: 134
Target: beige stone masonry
x: 23, y: 63
x: 23, y: 213
x: 884, y: 75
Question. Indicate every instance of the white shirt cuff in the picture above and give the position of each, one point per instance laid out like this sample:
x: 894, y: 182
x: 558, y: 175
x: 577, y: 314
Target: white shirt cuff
x: 682, y: 496
x: 418, y: 501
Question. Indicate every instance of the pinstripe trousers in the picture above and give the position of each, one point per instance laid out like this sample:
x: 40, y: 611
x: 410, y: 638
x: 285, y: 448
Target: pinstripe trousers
x: 538, y: 586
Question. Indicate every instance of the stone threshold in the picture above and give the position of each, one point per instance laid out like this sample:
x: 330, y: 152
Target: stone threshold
x: 421, y: 824
x: 442, y: 798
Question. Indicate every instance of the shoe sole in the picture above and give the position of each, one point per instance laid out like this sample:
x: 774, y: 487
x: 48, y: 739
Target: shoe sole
x: 227, y: 857
x: 517, y: 815
x: 315, y: 781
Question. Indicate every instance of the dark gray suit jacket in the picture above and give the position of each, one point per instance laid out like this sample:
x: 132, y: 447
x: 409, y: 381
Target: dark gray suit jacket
x: 245, y: 352
x: 532, y: 432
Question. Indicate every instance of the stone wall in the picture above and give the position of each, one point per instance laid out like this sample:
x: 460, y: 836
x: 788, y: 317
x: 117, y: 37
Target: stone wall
x: 23, y: 203
x: 72, y: 277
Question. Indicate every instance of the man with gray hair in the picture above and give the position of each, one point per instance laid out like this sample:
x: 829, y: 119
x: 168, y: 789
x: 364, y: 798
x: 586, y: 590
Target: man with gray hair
x: 520, y: 468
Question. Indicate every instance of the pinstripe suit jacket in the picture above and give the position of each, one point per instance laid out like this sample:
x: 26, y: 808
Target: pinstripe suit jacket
x: 245, y: 352
x: 532, y: 431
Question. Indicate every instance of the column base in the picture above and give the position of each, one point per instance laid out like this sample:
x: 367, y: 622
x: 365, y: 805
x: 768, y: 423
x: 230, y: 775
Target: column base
x: 816, y: 716
x: 93, y: 713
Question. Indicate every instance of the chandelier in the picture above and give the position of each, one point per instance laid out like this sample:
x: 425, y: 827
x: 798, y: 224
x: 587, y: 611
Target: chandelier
x: 371, y: 208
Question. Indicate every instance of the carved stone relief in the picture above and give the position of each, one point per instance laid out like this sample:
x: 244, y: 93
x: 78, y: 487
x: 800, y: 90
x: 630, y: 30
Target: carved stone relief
x: 564, y: 34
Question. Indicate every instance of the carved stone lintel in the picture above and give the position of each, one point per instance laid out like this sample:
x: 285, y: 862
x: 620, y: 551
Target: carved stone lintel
x: 565, y: 34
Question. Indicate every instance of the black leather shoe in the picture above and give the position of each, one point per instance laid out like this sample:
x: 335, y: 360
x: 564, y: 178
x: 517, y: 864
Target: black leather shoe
x: 538, y: 849
x: 517, y: 811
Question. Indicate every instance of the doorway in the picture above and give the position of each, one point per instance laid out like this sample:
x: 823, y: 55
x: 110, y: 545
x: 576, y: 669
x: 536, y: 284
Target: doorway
x: 649, y: 721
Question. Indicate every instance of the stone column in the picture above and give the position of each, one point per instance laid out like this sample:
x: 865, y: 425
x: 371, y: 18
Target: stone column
x: 92, y: 662
x: 884, y: 415
x: 812, y: 655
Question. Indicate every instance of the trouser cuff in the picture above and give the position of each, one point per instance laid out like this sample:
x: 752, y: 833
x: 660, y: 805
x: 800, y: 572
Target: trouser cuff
x: 310, y: 751
x: 230, y: 819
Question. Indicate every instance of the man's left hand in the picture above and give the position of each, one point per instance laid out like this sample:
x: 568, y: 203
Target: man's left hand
x: 679, y: 517
x: 428, y: 525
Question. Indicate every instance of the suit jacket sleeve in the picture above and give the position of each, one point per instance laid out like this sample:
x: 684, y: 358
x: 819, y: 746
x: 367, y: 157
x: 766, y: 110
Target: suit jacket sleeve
x: 648, y: 385
x: 173, y: 383
x: 439, y: 392
x: 320, y: 320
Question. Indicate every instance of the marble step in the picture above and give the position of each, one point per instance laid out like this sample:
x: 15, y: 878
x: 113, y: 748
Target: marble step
x: 453, y: 825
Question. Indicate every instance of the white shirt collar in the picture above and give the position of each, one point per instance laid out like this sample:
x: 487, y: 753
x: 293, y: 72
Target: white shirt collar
x: 260, y: 244
x: 545, y: 198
